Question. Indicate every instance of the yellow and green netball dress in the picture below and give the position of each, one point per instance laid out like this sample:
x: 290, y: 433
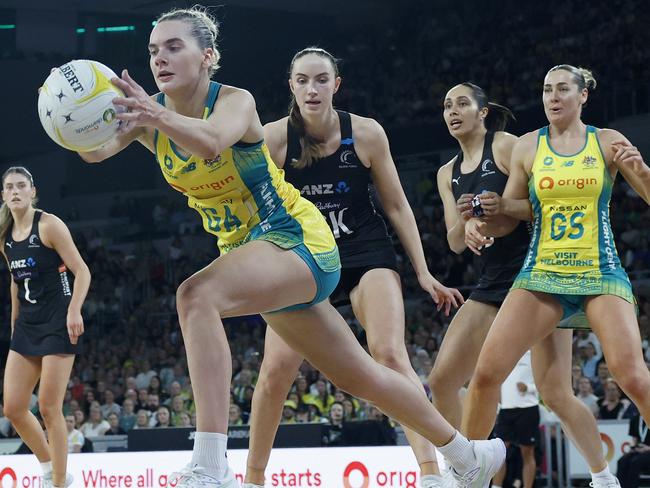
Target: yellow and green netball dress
x: 572, y: 252
x: 242, y: 196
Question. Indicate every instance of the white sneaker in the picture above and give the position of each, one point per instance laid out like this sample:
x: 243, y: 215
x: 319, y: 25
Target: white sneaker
x: 448, y: 480
x: 47, y: 481
x: 611, y: 482
x: 490, y: 456
x: 195, y: 476
x: 430, y: 481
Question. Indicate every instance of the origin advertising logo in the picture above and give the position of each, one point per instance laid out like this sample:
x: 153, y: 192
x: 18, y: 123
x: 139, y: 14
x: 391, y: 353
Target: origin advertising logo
x: 8, y: 478
x: 354, y: 467
x: 357, y: 475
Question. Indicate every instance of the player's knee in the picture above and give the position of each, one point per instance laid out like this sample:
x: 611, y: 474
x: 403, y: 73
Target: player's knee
x: 555, y: 397
x: 437, y: 382
x: 486, y: 377
x: 634, y: 382
x: 193, y: 296
x: 274, y: 381
x: 391, y: 356
x: 49, y: 410
x: 14, y: 410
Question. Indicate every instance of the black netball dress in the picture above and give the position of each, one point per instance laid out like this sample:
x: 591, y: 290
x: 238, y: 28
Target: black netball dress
x: 44, y: 293
x: 339, y: 185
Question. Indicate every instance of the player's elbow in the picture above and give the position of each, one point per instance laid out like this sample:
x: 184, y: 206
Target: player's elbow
x: 455, y: 245
x: 91, y: 157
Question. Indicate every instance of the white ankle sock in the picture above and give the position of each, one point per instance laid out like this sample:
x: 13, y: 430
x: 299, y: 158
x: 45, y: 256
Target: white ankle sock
x: 210, y: 452
x: 604, y: 474
x: 459, y: 453
x: 46, y: 467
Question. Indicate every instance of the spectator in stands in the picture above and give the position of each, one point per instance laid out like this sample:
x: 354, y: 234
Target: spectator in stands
x: 130, y: 383
x: 349, y: 409
x: 185, y: 420
x: 142, y: 419
x: 302, y: 414
x: 637, y: 460
x: 589, y: 358
x: 289, y: 412
x: 128, y: 416
x: 242, y: 381
x: 301, y: 387
x: 130, y: 394
x: 143, y: 378
x: 598, y: 384
x: 109, y: 404
x: 114, y: 425
x: 95, y: 425
x: 612, y: 406
x: 79, y: 418
x: 75, y: 437
x: 576, y: 375
x: 320, y: 397
x: 155, y: 387
x: 177, y: 407
x: 586, y: 395
x: 100, y: 388
x: 89, y: 399
x: 153, y: 402
x: 335, y: 419
x: 163, y: 417
x: 175, y: 390
x: 336, y: 415
x: 234, y: 415
x: 143, y: 397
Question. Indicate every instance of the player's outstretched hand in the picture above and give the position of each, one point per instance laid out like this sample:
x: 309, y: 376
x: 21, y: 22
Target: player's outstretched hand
x: 443, y: 297
x: 140, y: 108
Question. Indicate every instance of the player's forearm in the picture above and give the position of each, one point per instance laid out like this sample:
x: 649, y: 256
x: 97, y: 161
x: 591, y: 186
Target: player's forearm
x: 81, y: 285
x: 456, y: 237
x: 499, y: 226
x: 517, y: 209
x: 195, y: 136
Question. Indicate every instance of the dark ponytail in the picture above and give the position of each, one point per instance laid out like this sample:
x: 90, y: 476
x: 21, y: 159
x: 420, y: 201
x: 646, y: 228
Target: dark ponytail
x: 309, y: 145
x: 498, y: 115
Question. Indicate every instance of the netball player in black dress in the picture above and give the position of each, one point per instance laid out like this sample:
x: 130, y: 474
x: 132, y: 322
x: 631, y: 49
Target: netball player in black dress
x: 331, y: 157
x: 46, y: 320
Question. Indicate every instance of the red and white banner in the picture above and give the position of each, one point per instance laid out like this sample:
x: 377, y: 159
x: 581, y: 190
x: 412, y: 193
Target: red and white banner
x: 347, y: 467
x: 616, y: 442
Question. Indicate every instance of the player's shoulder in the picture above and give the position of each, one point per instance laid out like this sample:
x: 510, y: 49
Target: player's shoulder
x: 528, y: 140
x: 445, y: 171
x: 277, y: 128
x: 503, y: 139
x: 366, y: 130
